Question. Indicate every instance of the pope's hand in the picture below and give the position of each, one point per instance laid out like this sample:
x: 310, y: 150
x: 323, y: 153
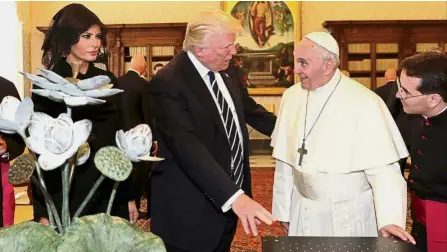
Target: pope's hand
x: 251, y: 214
x: 394, y: 230
x: 285, y: 226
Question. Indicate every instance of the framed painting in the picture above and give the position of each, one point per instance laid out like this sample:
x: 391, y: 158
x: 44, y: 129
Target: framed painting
x: 264, y: 58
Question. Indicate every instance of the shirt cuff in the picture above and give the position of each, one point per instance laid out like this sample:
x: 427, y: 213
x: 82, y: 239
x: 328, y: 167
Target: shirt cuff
x: 227, y: 205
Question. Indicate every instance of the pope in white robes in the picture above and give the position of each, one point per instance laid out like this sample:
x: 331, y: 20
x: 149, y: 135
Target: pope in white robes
x: 337, y: 150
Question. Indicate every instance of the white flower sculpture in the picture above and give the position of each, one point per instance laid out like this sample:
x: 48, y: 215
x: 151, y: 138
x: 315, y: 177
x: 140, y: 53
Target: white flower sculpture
x: 83, y: 92
x: 136, y: 143
x: 57, y: 140
x: 15, y: 115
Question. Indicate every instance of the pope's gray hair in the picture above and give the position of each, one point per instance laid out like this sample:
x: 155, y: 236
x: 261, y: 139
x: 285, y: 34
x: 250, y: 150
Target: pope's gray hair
x: 208, y: 24
x: 327, y: 55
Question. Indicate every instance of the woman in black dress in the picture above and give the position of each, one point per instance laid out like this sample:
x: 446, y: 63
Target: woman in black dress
x: 76, y: 35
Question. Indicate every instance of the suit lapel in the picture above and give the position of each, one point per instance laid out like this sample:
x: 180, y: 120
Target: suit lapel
x: 198, y: 86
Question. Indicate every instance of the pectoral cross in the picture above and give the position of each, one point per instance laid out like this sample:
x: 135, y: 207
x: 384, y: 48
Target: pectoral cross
x: 302, y: 151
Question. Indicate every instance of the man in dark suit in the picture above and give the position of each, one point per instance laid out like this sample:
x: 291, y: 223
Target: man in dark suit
x: 200, y: 113
x: 135, y: 109
x: 404, y: 122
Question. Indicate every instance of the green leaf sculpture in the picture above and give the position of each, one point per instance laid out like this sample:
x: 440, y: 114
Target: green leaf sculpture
x: 22, y: 169
x: 105, y: 233
x: 29, y: 236
x: 113, y: 163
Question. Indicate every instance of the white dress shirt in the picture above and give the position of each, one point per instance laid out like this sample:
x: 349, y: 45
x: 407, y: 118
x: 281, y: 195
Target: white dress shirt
x: 203, y: 71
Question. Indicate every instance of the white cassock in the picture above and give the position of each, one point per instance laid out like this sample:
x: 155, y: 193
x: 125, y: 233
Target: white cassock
x: 349, y: 183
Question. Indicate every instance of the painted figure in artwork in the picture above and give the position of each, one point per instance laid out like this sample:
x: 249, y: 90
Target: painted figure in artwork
x: 261, y: 21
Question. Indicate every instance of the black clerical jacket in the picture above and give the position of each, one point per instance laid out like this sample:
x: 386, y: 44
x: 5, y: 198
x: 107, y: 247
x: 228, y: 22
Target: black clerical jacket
x: 428, y: 175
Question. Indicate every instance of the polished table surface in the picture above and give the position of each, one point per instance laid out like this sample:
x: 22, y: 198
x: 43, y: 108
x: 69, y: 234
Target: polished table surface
x: 334, y: 244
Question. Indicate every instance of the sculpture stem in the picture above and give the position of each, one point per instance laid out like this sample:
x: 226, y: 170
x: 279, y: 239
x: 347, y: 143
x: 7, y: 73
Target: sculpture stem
x: 112, y: 197
x: 50, y: 203
x: 65, y: 193
x: 42, y: 182
x: 89, y: 195
x: 70, y: 181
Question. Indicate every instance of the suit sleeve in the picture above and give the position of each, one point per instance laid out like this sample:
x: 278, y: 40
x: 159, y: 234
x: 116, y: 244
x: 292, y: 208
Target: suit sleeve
x: 130, y: 107
x: 178, y: 133
x: 257, y: 116
x: 148, y: 116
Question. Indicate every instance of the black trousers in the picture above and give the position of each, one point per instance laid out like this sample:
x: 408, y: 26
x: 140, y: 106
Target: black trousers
x: 140, y: 179
x: 419, y: 232
x: 225, y: 241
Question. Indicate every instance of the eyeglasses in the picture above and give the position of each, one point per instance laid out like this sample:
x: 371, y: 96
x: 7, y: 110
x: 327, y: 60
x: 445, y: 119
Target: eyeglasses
x: 407, y: 95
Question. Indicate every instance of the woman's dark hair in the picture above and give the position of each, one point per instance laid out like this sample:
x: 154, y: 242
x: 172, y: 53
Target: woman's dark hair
x: 65, y: 30
x: 431, y: 67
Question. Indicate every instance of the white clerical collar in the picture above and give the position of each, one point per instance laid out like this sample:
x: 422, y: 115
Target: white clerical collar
x: 440, y: 112
x: 133, y: 70
x: 203, y: 70
x: 328, y: 87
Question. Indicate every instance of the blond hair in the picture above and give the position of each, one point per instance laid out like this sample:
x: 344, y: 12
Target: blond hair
x: 209, y: 23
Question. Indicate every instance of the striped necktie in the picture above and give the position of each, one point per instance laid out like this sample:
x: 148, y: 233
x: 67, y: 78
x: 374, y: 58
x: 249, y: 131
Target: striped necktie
x: 237, y: 163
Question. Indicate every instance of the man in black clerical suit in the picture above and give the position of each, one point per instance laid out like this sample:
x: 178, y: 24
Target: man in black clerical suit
x: 423, y: 92
x: 136, y: 109
x: 204, y: 184
x: 405, y: 123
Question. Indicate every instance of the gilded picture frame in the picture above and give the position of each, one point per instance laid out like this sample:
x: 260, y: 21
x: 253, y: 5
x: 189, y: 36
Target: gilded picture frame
x: 264, y: 59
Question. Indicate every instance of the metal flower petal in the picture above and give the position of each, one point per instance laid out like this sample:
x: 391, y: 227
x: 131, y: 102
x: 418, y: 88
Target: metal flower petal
x: 120, y: 140
x: 56, y: 140
x: 72, y: 89
x: 39, y: 80
x: 50, y: 161
x: 98, y: 93
x: 83, y: 154
x: 24, y: 111
x: 56, y: 96
x: 81, y: 93
x: 38, y: 123
x: 139, y: 139
x: 136, y: 143
x: 9, y: 127
x: 94, y: 82
x: 15, y: 115
x: 8, y: 108
x: 73, y: 101
x: 148, y: 157
x: 52, y: 76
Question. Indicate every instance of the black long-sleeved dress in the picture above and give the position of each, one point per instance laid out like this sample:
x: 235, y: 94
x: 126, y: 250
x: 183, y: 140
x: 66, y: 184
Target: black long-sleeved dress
x: 106, y: 121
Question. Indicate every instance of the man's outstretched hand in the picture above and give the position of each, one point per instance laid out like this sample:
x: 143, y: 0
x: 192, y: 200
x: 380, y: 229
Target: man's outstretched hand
x: 251, y: 214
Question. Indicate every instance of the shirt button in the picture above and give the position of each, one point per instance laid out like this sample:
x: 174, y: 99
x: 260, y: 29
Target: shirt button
x: 424, y: 138
x: 427, y: 123
x: 416, y: 166
x: 419, y: 152
x: 411, y: 181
